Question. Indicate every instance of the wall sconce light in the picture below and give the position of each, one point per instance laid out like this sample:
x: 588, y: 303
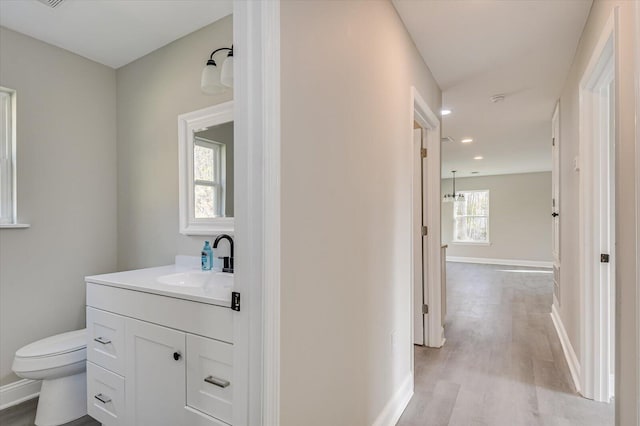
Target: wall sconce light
x: 215, y: 80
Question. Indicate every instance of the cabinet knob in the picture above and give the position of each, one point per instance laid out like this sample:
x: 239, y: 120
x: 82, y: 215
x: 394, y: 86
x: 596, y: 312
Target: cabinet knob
x: 177, y: 356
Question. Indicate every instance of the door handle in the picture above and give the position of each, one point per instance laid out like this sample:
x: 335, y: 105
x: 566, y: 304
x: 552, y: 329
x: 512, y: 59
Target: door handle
x: 216, y: 381
x: 102, y: 398
x: 102, y: 340
x: 554, y: 214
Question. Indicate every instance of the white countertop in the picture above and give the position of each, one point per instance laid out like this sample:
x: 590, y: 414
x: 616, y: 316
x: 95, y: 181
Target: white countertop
x: 216, y: 288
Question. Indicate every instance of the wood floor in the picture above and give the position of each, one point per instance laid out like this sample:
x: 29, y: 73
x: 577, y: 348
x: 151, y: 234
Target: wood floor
x: 502, y: 363
x: 24, y: 414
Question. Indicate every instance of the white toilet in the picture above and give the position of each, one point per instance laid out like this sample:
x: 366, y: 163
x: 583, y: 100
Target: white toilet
x: 60, y: 362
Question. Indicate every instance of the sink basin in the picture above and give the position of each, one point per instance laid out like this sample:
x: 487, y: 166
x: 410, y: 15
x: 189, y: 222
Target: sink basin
x: 198, y: 279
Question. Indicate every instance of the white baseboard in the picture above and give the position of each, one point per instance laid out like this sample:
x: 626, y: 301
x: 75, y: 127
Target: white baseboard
x: 507, y: 262
x: 395, y: 407
x: 17, y: 392
x: 569, y: 353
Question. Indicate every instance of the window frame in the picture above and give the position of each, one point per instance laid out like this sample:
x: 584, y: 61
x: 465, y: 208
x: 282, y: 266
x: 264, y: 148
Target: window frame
x: 487, y: 242
x: 9, y: 187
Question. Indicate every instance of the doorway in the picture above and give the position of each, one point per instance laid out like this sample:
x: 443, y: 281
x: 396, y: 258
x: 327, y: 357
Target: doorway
x: 597, y: 220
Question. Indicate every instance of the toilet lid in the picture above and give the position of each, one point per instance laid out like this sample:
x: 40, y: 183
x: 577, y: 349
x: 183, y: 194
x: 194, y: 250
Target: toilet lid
x: 55, y: 345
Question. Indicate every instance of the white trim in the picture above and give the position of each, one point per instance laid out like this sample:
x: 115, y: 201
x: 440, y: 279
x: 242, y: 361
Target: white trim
x: 396, y: 405
x: 594, y: 307
x: 188, y: 123
x: 637, y: 168
x: 14, y: 225
x: 256, y: 28
x: 271, y: 297
x: 424, y: 116
x: 19, y: 391
x: 506, y: 262
x: 567, y: 348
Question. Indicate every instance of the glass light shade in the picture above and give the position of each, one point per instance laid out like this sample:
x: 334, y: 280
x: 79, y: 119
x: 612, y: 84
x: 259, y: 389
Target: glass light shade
x: 226, y: 74
x: 210, y: 81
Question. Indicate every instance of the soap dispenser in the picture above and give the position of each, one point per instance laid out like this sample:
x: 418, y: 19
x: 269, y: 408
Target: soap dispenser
x: 207, y: 257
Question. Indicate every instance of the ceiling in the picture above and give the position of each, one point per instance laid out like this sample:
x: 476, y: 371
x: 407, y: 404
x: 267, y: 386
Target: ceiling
x: 111, y: 32
x: 479, y: 48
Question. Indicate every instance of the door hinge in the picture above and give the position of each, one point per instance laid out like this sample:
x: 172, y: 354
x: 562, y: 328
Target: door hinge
x: 425, y: 309
x: 553, y: 141
x: 425, y: 231
x: 423, y: 152
x: 235, y: 301
x: 604, y: 258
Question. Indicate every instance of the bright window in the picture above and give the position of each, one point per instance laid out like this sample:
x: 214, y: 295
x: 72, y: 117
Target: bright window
x: 471, y: 218
x: 7, y: 157
x: 209, y: 159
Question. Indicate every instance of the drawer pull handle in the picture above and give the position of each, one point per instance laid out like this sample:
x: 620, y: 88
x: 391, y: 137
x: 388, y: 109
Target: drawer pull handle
x: 102, y: 340
x: 218, y: 382
x: 103, y: 398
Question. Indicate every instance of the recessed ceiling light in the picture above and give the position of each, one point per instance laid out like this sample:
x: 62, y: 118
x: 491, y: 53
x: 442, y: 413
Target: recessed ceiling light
x: 478, y: 157
x: 467, y: 140
x: 445, y: 111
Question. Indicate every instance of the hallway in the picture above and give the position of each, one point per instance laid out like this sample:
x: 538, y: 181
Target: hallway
x: 502, y: 363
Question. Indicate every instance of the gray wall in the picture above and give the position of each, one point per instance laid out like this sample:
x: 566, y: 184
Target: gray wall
x: 66, y: 166
x: 151, y: 92
x: 627, y: 398
x: 519, y: 217
x: 347, y: 71
x: 223, y: 133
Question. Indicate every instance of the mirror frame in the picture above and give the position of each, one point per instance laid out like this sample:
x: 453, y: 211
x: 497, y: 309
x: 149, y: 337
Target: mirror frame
x: 188, y: 124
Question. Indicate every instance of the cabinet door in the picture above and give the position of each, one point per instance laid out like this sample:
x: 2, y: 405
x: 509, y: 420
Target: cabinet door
x: 209, y: 376
x: 155, y: 372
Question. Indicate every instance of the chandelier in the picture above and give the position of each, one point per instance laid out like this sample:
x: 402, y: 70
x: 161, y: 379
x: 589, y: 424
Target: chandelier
x: 450, y: 198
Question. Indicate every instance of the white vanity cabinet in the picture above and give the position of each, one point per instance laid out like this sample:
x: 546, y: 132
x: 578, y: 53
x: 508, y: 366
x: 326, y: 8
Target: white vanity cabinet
x: 157, y: 360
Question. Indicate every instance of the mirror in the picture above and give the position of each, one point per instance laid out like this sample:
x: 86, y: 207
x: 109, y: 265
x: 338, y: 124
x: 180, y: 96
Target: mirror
x: 206, y: 148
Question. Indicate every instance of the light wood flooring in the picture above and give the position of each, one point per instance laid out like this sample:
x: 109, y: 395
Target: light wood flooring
x: 24, y: 415
x: 502, y: 363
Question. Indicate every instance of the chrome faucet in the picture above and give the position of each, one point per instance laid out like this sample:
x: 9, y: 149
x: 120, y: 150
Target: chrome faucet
x: 227, y: 260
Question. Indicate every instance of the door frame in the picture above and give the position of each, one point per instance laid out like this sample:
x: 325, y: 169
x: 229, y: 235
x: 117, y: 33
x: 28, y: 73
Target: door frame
x: 556, y: 188
x: 256, y: 373
x: 637, y: 164
x: 422, y: 114
x: 594, y: 306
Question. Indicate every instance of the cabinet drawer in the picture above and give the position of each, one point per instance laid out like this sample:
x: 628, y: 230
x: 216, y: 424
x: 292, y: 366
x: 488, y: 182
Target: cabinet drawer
x: 105, y: 396
x: 209, y: 375
x: 106, y: 340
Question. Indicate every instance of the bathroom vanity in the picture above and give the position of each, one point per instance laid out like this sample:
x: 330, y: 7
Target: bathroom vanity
x: 160, y: 346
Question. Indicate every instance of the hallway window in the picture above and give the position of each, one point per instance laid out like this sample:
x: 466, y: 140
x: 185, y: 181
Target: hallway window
x: 7, y: 157
x: 471, y: 218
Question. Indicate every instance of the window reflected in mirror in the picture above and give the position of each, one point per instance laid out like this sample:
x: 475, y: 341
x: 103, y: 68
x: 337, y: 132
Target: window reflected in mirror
x: 213, y: 172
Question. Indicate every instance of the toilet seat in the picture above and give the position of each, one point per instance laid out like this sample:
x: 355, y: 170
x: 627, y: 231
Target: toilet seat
x: 52, y: 352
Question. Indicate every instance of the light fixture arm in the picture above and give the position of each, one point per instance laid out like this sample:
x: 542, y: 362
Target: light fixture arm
x: 212, y: 62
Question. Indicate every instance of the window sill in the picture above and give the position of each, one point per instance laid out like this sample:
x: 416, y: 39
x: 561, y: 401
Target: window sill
x: 471, y: 243
x: 14, y: 225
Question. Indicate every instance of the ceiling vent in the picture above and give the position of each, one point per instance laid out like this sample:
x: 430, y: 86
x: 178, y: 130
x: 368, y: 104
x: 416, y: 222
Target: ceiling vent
x: 497, y: 98
x: 51, y: 3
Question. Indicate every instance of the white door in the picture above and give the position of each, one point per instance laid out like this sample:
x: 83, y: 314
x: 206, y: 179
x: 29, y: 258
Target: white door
x: 555, y: 201
x: 419, y: 248
x: 155, y: 386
